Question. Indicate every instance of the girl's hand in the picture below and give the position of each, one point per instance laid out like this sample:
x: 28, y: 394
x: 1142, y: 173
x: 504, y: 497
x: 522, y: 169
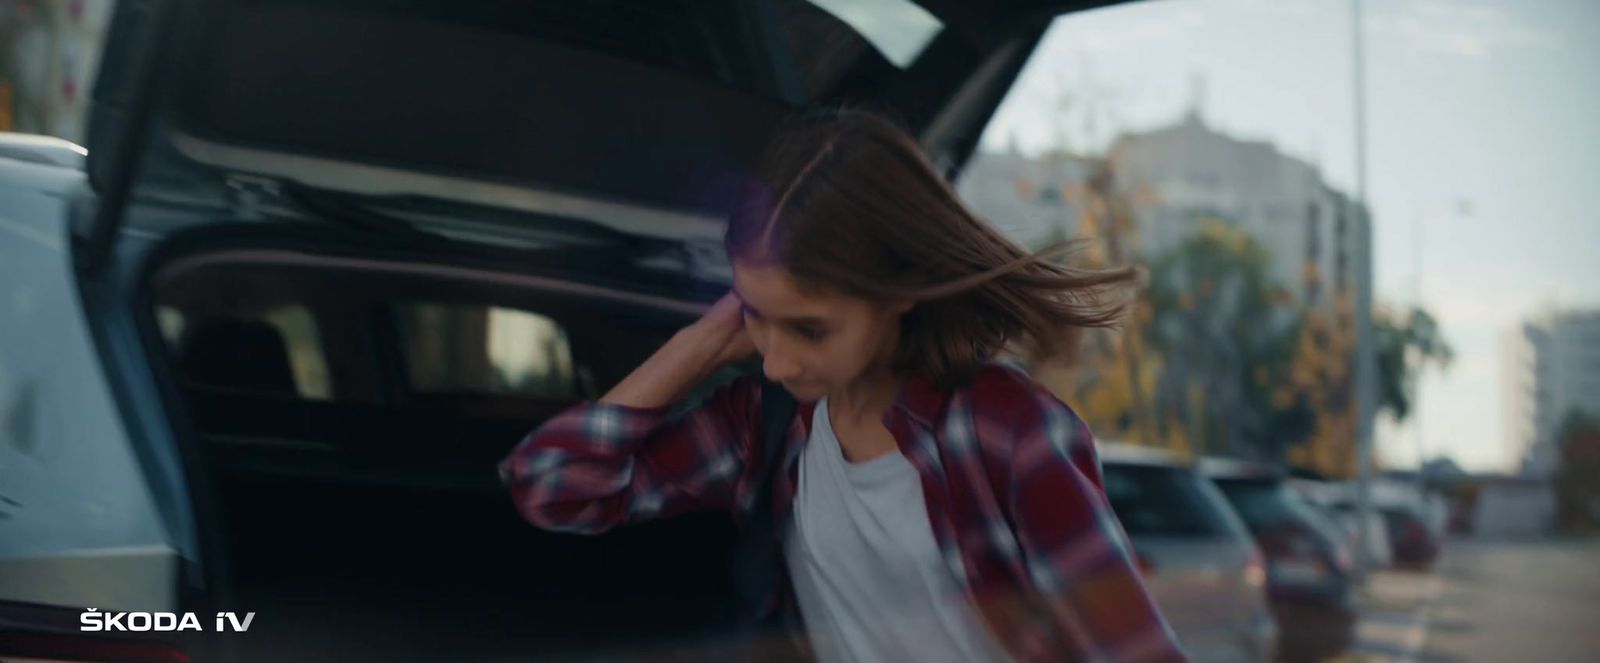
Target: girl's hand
x: 720, y: 333
x: 688, y: 358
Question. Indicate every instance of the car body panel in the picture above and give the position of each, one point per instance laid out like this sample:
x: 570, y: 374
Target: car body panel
x: 1198, y: 559
x: 1309, y: 577
x: 80, y: 525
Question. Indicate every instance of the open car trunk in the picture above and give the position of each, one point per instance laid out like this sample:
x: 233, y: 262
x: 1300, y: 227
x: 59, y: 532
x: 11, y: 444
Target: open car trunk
x: 549, y: 108
x: 359, y: 217
x: 351, y: 411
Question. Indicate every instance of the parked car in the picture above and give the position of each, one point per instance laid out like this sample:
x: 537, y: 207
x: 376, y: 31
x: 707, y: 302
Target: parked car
x: 47, y: 150
x: 1199, y: 561
x: 1417, y: 517
x: 1336, y: 501
x: 1414, y: 543
x: 328, y: 260
x: 1309, y: 581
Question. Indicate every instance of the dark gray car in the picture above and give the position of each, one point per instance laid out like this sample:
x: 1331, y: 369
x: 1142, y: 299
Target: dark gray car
x: 1310, y: 580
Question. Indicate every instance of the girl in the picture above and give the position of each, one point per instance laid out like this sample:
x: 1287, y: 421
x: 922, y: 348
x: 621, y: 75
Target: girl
x: 936, y: 503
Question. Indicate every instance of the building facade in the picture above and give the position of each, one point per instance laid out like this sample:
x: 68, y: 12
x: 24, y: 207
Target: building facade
x: 1177, y: 176
x: 1552, y: 371
x: 49, y: 53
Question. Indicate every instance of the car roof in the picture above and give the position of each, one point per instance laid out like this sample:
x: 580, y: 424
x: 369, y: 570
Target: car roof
x: 1123, y: 453
x: 1218, y: 467
x: 43, y: 150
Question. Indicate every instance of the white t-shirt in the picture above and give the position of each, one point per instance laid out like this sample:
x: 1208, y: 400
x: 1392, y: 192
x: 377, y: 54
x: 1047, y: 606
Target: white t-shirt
x: 866, y: 570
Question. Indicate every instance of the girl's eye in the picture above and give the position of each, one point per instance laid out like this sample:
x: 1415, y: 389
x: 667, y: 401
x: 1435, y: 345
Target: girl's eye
x: 811, y: 334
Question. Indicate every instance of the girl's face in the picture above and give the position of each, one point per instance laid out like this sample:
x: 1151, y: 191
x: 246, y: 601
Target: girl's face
x: 814, y: 344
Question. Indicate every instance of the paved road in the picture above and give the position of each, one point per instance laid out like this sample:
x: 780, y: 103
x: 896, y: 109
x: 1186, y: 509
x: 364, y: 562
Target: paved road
x: 1524, y: 602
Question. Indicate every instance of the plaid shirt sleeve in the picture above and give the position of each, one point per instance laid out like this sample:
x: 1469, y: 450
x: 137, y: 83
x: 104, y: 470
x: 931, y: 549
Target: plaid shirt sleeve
x: 1075, y: 551
x: 596, y: 466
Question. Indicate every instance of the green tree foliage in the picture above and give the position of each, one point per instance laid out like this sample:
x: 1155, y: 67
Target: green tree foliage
x: 1226, y: 334
x: 1405, y: 345
x: 1577, y: 480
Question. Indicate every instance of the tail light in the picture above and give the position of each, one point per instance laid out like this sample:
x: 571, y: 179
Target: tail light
x: 1255, y: 569
x: 1344, y: 559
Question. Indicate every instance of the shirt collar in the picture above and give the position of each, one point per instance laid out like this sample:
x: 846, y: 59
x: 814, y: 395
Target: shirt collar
x: 920, y: 399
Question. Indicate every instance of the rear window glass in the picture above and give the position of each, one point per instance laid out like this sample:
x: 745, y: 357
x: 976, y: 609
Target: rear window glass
x: 1270, y: 505
x: 1259, y: 503
x: 686, y: 91
x: 1161, y: 501
x: 452, y: 348
x: 275, y: 350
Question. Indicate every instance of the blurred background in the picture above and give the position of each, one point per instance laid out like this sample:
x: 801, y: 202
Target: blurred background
x: 1290, y: 174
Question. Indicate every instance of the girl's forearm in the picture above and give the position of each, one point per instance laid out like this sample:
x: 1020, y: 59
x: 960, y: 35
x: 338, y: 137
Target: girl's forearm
x: 669, y: 374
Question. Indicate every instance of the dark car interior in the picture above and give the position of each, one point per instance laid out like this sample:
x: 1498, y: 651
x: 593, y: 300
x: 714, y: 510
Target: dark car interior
x: 358, y: 499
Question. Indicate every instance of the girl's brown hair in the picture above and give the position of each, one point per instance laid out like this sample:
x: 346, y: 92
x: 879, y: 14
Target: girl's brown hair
x: 845, y: 201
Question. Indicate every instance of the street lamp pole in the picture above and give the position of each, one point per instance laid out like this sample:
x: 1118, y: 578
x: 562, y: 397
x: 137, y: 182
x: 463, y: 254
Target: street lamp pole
x: 1364, y: 370
x: 1416, y: 378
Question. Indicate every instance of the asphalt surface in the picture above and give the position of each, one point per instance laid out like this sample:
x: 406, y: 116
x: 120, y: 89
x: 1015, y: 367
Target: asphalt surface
x: 1520, y: 601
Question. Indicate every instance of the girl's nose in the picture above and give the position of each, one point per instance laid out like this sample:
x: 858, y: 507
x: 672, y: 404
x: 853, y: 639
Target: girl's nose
x: 776, y: 361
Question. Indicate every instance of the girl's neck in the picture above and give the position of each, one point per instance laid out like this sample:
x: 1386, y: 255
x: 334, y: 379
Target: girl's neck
x: 865, y: 400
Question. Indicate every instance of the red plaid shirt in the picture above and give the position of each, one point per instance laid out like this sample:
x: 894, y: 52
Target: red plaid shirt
x: 1009, y: 472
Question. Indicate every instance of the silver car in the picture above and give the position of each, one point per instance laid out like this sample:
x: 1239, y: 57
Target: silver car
x: 1198, y: 559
